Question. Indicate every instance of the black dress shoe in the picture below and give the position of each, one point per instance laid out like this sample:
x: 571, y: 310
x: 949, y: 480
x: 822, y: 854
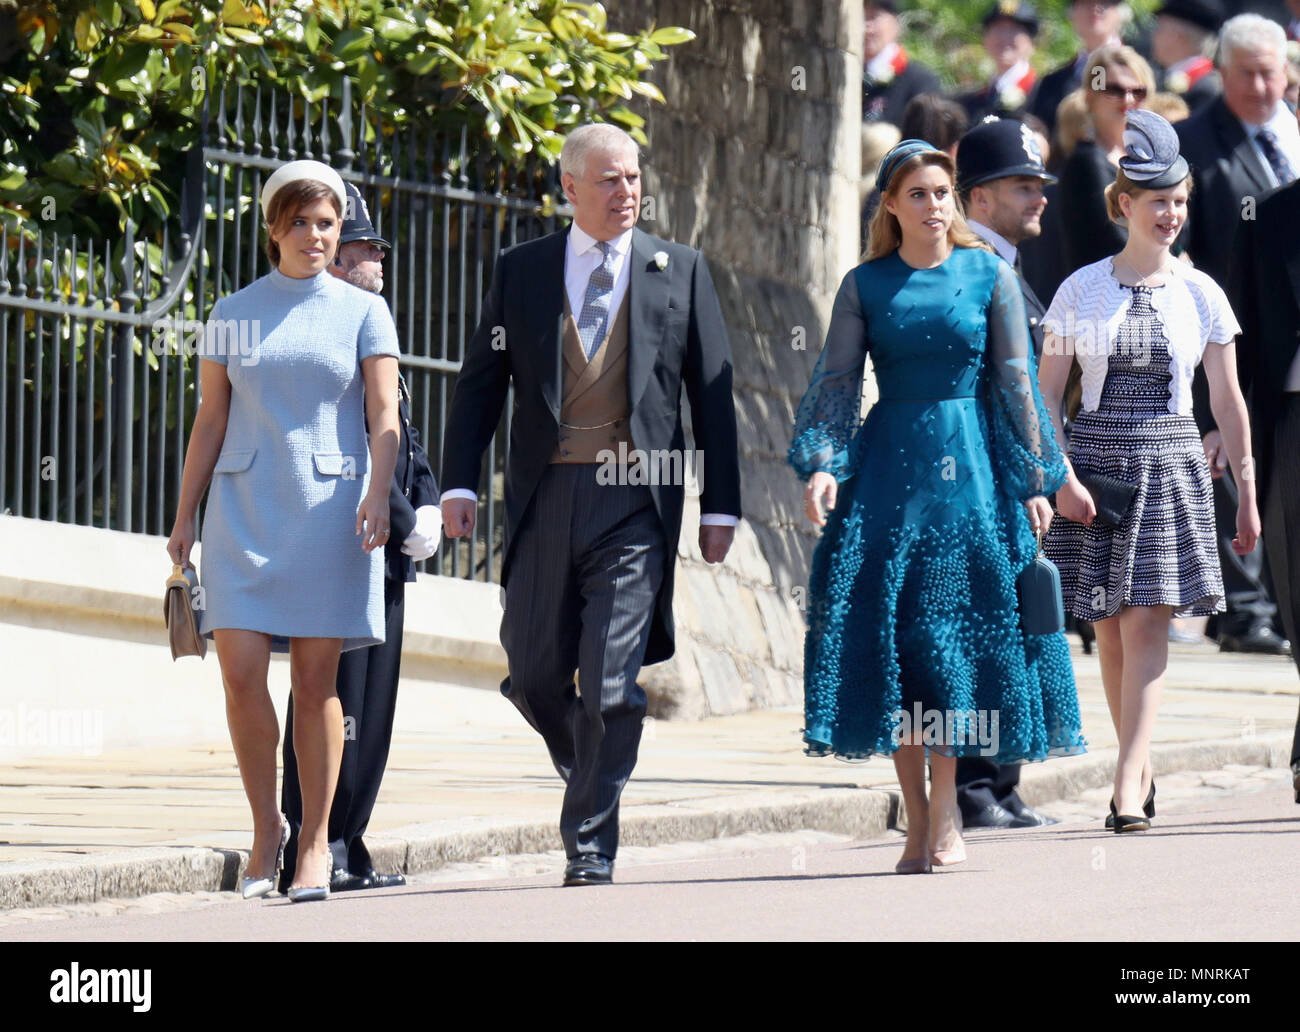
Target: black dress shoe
x: 374, y: 880
x: 589, y: 869
x: 1295, y: 779
x: 992, y: 816
x: 1025, y: 816
x: 1260, y: 640
x: 343, y: 880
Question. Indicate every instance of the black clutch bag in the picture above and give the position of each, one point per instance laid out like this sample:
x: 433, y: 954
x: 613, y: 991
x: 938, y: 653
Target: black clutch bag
x: 1042, y: 610
x: 1111, y: 495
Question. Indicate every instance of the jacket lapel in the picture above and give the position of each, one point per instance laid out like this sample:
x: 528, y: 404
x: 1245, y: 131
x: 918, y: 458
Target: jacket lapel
x: 1243, y: 151
x: 1285, y: 352
x: 546, y: 317
x: 648, y: 302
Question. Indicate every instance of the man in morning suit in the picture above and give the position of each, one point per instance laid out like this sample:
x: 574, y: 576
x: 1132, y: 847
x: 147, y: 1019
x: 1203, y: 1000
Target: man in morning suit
x: 1010, y: 28
x: 598, y: 327
x: 1264, y: 288
x: 367, y: 678
x: 890, y: 78
x: 1096, y: 23
x: 1183, y: 44
x: 1000, y: 178
x: 1240, y: 145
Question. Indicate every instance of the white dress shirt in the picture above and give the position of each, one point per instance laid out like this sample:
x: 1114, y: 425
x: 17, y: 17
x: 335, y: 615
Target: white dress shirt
x: 1004, y: 247
x: 581, y: 258
x: 1286, y: 131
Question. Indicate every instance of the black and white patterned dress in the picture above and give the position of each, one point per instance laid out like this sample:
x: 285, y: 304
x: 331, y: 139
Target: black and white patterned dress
x: 1139, y: 429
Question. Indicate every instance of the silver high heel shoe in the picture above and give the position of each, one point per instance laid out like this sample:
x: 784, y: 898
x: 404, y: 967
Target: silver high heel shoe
x: 311, y: 893
x: 256, y: 888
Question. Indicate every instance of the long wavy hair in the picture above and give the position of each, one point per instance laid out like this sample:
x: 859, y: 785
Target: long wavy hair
x: 884, y: 234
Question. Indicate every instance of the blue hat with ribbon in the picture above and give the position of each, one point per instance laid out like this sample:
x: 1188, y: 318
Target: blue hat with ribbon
x: 1151, y: 159
x: 903, y: 150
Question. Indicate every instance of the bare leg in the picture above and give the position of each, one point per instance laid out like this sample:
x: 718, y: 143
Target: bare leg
x: 254, y: 732
x: 909, y: 762
x: 1145, y: 634
x: 318, y: 745
x: 945, y: 841
x: 1110, y: 653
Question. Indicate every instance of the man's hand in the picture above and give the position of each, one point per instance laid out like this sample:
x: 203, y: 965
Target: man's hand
x: 1215, y: 453
x: 458, y: 517
x: 715, y: 542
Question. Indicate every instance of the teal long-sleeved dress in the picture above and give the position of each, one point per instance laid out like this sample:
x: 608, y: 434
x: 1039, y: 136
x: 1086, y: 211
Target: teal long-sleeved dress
x: 913, y: 609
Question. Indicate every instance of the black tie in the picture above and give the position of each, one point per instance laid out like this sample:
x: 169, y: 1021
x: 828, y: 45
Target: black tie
x: 1276, y: 159
x: 1016, y: 264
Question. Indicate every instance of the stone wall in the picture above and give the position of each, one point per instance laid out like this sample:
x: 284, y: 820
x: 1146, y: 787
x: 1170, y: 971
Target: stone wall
x: 754, y: 160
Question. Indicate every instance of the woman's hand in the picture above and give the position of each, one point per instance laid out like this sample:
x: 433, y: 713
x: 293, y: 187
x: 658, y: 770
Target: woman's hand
x: 372, y: 516
x: 819, y: 497
x: 1248, y: 527
x: 1039, y: 511
x: 1075, y: 503
x: 180, y: 544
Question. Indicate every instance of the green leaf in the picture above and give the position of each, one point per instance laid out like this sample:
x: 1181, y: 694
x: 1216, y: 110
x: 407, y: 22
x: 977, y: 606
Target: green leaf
x: 648, y: 89
x: 394, y: 30
x: 537, y: 95
x: 352, y: 43
x: 86, y: 32
x: 244, y: 35
x: 622, y: 114
x: 671, y: 35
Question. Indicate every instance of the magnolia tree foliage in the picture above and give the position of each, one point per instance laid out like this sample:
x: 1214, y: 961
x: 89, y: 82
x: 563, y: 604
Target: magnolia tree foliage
x: 103, y: 97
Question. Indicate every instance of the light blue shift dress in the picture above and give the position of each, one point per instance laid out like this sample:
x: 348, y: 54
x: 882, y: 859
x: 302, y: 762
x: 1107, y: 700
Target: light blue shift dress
x: 280, y: 549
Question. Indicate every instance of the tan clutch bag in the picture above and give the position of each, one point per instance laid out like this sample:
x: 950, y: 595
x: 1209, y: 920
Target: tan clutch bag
x: 180, y: 615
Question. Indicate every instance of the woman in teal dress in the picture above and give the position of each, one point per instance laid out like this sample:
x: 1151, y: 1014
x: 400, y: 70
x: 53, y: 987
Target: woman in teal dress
x: 914, y: 639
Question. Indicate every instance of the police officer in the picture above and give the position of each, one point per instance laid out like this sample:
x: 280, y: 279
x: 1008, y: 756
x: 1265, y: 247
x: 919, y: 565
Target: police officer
x: 1000, y: 179
x: 367, y: 678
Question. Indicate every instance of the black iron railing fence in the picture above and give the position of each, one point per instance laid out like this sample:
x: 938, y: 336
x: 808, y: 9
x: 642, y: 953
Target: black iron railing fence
x: 97, y: 393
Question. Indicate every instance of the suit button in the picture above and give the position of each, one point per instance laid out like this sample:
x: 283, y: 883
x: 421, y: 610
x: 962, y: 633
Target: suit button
x: 1033, y: 321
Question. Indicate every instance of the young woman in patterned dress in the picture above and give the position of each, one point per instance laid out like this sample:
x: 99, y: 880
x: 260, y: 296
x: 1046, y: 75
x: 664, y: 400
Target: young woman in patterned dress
x: 1139, y: 323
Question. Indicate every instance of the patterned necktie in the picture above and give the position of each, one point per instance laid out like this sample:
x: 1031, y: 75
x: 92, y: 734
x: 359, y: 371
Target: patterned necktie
x: 595, y: 306
x: 1276, y: 159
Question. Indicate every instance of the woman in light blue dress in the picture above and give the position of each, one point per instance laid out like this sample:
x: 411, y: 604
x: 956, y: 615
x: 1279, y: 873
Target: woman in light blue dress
x: 915, y: 639
x: 293, y: 366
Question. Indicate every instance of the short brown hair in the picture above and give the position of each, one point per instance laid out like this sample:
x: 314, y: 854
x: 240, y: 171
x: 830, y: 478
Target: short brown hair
x: 285, y: 205
x: 1123, y: 184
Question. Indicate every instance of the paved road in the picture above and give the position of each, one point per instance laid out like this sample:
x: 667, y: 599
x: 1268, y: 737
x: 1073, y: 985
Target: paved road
x: 1219, y: 866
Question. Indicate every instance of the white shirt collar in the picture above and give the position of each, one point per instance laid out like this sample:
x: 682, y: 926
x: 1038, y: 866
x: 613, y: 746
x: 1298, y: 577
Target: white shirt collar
x: 581, y: 241
x: 1011, y: 76
x: 1001, y: 244
x: 882, y: 62
x: 1183, y: 65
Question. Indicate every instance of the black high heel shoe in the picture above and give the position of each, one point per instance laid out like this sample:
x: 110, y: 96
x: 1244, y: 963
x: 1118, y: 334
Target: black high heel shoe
x: 1148, y: 808
x: 1125, y: 822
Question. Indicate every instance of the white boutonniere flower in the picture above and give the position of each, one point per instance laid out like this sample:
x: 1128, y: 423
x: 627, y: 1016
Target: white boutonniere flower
x: 1177, y: 82
x: 661, y: 260
x: 1293, y: 51
x: 884, y: 78
x: 1012, y: 98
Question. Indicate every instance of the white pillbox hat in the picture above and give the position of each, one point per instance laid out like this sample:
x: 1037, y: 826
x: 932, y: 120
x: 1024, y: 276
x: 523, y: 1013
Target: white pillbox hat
x: 292, y: 171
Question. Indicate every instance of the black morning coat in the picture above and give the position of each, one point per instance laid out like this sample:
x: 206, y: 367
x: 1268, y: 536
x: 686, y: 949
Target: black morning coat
x: 676, y: 337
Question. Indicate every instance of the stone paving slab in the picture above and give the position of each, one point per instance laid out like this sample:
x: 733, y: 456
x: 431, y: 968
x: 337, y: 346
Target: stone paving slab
x: 468, y: 778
